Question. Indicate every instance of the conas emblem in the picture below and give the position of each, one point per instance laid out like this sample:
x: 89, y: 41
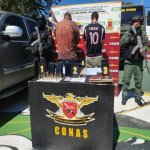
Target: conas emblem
x: 69, y: 111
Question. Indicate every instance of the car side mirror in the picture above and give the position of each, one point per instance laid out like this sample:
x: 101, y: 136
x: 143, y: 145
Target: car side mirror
x: 12, y: 32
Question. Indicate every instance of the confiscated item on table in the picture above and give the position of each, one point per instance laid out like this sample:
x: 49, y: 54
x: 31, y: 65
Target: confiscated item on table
x: 101, y: 78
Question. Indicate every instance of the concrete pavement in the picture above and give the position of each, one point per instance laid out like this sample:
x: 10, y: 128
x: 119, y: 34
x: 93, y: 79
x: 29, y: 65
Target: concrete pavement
x: 131, y: 122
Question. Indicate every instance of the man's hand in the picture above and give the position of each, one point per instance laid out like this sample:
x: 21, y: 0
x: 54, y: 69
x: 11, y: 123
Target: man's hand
x: 141, y: 52
x: 38, y: 49
x: 35, y: 35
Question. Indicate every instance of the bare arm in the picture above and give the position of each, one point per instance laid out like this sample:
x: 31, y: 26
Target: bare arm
x: 78, y: 35
x: 103, y: 41
x: 103, y: 38
x: 85, y: 43
x: 85, y: 37
x: 77, y: 32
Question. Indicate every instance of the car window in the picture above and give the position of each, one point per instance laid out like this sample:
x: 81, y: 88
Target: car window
x: 0, y: 14
x: 148, y: 22
x: 32, y: 25
x: 128, y: 12
x: 16, y: 21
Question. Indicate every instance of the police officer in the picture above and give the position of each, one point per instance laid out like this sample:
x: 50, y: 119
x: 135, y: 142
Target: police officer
x: 46, y: 36
x: 133, y: 63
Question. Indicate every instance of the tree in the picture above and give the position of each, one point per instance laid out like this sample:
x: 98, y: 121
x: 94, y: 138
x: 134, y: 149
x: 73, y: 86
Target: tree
x: 28, y: 7
x: 127, y: 3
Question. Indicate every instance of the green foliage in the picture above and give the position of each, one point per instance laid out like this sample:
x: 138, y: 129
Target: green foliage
x: 127, y: 3
x: 28, y: 7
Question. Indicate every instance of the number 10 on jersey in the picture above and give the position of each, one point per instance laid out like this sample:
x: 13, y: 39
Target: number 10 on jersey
x: 94, y: 37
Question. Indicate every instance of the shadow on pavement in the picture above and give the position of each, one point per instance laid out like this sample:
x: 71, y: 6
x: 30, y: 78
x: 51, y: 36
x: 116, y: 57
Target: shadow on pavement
x: 116, y: 133
x: 6, y: 117
x: 11, y: 106
x: 15, y: 103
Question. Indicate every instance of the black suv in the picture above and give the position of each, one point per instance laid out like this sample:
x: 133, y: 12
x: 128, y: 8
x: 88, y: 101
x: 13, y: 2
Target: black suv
x: 16, y: 62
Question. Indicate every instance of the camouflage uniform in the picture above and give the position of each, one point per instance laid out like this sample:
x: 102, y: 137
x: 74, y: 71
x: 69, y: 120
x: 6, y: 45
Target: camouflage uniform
x: 133, y: 64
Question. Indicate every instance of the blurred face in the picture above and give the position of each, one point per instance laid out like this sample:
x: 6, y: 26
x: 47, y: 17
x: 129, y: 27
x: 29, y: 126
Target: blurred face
x: 94, y: 20
x: 41, y: 22
x: 137, y: 23
x: 68, y: 17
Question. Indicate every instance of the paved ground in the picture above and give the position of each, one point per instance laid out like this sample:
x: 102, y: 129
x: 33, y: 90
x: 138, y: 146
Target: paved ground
x: 148, y: 55
x: 131, y: 122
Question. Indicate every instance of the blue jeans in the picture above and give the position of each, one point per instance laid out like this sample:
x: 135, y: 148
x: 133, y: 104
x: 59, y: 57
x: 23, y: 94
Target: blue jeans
x: 68, y: 61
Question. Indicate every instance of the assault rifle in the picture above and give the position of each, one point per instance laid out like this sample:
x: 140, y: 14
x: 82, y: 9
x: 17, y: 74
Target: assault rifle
x: 39, y: 42
x: 140, y: 46
x: 31, y: 46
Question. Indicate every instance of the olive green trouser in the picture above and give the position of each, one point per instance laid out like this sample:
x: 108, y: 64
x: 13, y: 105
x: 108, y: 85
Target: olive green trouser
x: 135, y: 67
x: 93, y: 62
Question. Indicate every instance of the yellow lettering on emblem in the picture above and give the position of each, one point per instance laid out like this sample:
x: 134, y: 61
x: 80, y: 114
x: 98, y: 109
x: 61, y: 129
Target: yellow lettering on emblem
x: 78, y: 134
x: 71, y: 132
x: 85, y: 134
x: 63, y: 131
x: 57, y: 130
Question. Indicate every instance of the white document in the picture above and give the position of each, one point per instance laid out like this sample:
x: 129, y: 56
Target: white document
x: 78, y: 80
x: 92, y: 71
x: 67, y: 79
x: 45, y: 80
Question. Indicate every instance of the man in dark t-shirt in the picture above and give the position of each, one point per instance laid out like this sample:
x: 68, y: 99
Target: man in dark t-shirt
x: 94, y: 36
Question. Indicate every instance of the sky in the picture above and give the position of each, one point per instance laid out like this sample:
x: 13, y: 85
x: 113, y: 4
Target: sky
x: 72, y: 2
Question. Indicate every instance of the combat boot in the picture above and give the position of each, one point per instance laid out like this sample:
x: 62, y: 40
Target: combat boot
x: 138, y: 101
x: 124, y: 101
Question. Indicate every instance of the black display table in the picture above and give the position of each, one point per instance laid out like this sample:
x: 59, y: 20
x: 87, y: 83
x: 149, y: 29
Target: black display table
x: 71, y: 116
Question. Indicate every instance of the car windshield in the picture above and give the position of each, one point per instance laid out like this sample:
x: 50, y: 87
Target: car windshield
x: 129, y: 12
x: 0, y: 14
x: 148, y: 22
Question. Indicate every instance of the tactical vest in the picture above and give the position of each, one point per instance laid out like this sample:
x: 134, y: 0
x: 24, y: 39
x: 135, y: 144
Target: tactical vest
x: 130, y: 46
